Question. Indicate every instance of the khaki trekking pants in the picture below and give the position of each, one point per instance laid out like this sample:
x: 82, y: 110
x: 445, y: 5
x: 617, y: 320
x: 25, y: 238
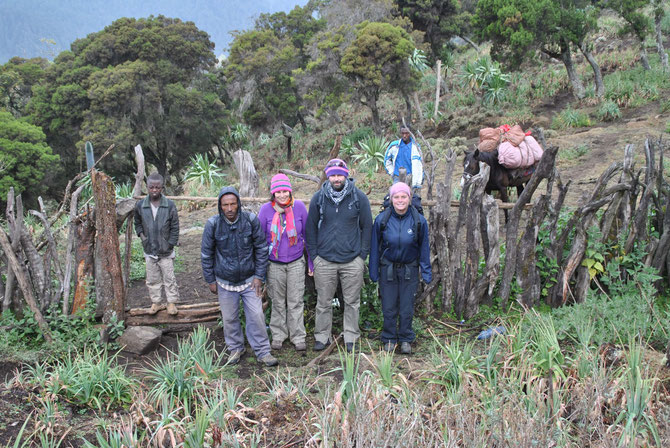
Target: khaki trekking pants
x: 326, y: 275
x: 286, y: 287
x: 160, y: 275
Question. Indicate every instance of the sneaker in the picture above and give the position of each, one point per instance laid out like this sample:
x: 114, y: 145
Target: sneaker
x: 172, y: 309
x: 235, y: 357
x: 389, y: 347
x: 276, y: 345
x: 318, y: 346
x: 405, y: 348
x: 300, y: 346
x: 269, y: 360
x: 155, y: 307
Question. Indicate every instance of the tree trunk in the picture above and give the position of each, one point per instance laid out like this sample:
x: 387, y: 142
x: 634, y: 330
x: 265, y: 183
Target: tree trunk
x: 376, y: 122
x: 597, y: 73
x: 248, y: 175
x: 643, y: 57
x: 108, y: 275
x: 658, y: 17
x: 566, y: 57
x: 408, y: 107
x: 288, y: 147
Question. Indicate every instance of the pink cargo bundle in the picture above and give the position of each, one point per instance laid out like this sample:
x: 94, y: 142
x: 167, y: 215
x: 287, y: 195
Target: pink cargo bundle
x: 489, y: 138
x: 513, y: 157
x: 534, y: 147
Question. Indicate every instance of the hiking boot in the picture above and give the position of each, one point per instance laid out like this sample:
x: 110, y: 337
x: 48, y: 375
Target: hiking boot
x: 155, y: 308
x: 349, y: 346
x: 235, y: 357
x: 389, y: 347
x: 318, y: 346
x: 276, y: 345
x: 300, y: 346
x: 269, y: 360
x: 405, y: 348
x: 172, y: 309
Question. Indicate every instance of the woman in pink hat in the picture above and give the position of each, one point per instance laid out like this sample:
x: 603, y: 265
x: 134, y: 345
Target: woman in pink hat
x: 283, y: 220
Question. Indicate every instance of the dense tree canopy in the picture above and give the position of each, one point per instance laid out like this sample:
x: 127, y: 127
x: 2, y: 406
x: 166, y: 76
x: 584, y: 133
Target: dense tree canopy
x: 439, y: 19
x: 377, y: 61
x: 263, y: 64
x: 25, y: 157
x: 517, y: 28
x: 17, y: 77
x: 139, y: 81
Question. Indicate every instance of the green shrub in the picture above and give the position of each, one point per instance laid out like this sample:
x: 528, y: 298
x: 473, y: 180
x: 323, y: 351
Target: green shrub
x: 608, y: 111
x: 571, y: 118
x: 574, y: 152
x: 203, y: 172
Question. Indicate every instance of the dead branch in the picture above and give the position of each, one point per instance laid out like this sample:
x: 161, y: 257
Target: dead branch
x: 25, y: 285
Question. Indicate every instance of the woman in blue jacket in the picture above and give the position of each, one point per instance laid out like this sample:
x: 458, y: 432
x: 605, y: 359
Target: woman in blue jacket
x: 399, y: 250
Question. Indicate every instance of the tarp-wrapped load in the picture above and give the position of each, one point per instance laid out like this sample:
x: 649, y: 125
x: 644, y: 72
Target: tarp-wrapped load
x: 489, y: 139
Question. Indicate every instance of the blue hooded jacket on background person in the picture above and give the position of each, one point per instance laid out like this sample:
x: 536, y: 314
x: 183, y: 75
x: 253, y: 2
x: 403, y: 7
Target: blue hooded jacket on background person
x: 233, y: 253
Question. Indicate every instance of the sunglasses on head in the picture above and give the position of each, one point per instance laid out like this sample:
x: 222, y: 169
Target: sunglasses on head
x: 336, y: 163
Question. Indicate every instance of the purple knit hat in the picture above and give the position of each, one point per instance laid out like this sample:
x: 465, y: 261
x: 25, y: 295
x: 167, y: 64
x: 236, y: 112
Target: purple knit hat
x: 335, y: 167
x: 280, y: 182
x: 399, y: 187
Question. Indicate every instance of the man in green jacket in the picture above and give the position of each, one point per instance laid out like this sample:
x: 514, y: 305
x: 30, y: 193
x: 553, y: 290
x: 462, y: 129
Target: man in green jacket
x: 157, y: 225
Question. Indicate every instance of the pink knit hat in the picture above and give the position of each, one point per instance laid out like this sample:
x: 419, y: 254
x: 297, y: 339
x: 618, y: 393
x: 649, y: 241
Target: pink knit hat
x: 335, y: 167
x: 280, y: 182
x: 399, y: 187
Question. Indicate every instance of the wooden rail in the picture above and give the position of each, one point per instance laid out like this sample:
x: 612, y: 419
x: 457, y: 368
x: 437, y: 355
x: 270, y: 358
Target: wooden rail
x: 424, y: 203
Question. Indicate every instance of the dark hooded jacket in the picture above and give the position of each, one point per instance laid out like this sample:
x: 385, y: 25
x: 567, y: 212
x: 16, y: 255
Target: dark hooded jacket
x: 233, y: 253
x: 162, y: 233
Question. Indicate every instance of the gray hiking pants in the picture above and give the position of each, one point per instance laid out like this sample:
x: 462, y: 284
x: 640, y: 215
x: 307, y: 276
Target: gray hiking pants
x: 286, y: 287
x: 257, y: 334
x: 326, y: 275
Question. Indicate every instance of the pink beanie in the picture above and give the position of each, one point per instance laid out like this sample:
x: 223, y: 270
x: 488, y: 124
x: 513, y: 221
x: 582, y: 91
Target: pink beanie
x: 399, y: 187
x: 335, y: 167
x: 280, y: 182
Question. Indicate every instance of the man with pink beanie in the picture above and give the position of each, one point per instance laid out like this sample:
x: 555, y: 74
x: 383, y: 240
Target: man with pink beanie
x: 284, y: 220
x: 339, y: 225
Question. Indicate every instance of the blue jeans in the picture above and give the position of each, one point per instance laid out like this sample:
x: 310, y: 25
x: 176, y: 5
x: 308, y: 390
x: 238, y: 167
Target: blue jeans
x: 257, y: 334
x: 398, y: 285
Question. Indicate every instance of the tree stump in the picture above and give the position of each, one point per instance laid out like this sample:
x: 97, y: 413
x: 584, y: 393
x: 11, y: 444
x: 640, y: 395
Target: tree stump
x: 248, y: 175
x: 108, y: 275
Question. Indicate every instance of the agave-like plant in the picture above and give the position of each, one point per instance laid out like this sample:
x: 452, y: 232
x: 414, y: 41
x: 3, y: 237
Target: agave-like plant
x: 418, y: 61
x: 203, y: 171
x: 372, y: 152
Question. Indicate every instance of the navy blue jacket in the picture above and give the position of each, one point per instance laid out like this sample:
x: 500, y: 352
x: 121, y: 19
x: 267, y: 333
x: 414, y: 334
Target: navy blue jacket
x: 344, y: 233
x: 234, y: 253
x: 399, y: 245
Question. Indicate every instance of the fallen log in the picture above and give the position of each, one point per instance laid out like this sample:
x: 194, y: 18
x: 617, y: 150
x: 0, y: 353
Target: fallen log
x: 164, y: 318
x: 193, y: 312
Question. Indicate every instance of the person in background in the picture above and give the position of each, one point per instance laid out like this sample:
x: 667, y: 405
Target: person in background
x: 400, y: 248
x: 339, y: 223
x: 284, y: 221
x: 234, y: 258
x: 157, y: 224
x: 405, y: 153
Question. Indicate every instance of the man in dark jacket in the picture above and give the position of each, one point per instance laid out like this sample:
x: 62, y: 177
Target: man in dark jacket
x: 339, y: 224
x: 234, y: 256
x: 157, y: 225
